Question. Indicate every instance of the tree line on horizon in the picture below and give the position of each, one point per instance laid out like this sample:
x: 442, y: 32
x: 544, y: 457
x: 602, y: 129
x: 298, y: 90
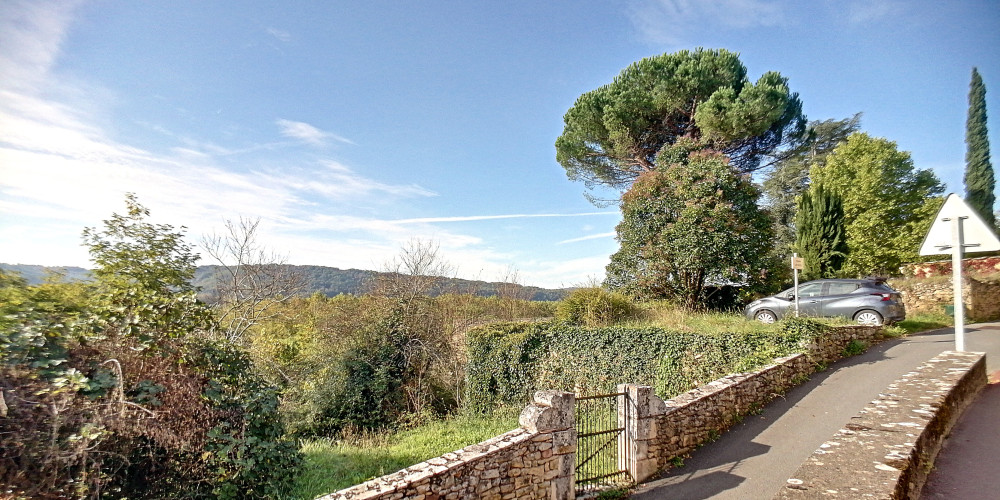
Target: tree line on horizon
x: 327, y: 281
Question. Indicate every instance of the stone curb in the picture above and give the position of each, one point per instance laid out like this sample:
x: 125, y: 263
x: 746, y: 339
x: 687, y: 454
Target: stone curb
x: 888, y: 448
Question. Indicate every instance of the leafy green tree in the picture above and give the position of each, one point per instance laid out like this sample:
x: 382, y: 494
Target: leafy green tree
x: 119, y: 393
x: 820, y: 239
x: 888, y: 204
x: 688, y: 225
x: 790, y: 177
x: 613, y: 134
x: 979, y: 178
x: 144, y: 273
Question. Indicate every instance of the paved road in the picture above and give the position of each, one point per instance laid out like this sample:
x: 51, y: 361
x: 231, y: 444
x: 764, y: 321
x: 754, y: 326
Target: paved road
x: 754, y: 458
x: 967, y: 467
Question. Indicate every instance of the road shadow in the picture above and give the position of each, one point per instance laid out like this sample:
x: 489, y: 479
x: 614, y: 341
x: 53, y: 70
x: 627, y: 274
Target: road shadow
x: 708, y: 471
x: 698, y: 488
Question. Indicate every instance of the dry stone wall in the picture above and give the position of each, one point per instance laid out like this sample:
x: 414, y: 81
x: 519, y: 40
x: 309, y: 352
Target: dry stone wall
x: 538, y: 459
x: 673, y: 428
x: 534, y: 461
x: 981, y: 298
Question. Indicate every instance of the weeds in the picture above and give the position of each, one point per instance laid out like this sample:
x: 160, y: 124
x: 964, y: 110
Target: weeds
x: 854, y: 348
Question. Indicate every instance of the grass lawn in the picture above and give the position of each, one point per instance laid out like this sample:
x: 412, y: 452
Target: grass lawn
x: 923, y: 322
x: 332, y: 465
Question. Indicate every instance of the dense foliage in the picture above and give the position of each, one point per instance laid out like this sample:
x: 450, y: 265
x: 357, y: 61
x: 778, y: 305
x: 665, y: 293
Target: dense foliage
x: 507, y: 362
x: 694, y: 223
x: 820, y: 238
x: 120, y: 392
x: 979, y: 176
x: 370, y: 361
x: 613, y: 134
x: 789, y: 178
x: 888, y: 204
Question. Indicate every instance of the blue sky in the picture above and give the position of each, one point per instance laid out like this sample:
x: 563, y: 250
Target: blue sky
x: 351, y: 128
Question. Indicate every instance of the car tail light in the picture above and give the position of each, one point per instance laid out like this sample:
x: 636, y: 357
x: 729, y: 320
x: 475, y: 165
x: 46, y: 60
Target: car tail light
x: 885, y: 296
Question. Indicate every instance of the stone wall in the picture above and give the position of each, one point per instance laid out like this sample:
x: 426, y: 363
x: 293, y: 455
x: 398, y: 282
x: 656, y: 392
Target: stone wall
x: 538, y: 460
x: 982, y: 299
x: 667, y: 429
x: 534, y: 461
x: 888, y: 448
x: 978, y: 265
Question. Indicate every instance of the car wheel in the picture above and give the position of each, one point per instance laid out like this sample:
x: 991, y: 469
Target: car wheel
x: 765, y: 317
x: 868, y: 318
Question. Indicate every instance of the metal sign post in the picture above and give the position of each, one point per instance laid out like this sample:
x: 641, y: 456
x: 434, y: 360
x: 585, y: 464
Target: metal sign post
x: 958, y: 242
x: 797, y: 263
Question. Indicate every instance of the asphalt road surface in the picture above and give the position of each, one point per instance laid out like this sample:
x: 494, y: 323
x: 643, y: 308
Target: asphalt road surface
x: 754, y: 458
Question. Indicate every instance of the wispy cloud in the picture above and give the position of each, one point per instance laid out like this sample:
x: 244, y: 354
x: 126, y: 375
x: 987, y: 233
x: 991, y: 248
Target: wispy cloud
x: 336, y: 181
x: 468, y: 218
x: 589, y: 237
x: 280, y: 35
x: 61, y: 171
x: 309, y: 134
x: 673, y: 21
x: 865, y: 11
x: 31, y: 32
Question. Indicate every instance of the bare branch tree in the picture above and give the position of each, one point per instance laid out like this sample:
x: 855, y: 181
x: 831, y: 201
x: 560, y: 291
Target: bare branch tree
x: 409, y: 281
x: 511, y: 292
x: 417, y: 270
x: 251, y: 279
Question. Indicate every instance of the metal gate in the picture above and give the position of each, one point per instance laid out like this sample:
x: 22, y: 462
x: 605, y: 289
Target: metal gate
x: 603, y: 445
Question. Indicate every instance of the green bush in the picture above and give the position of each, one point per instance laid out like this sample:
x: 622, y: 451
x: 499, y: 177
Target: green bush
x: 594, y: 306
x: 121, y: 393
x: 89, y: 416
x: 501, y: 364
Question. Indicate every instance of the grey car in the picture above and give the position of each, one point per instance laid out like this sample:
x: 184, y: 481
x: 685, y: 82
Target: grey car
x: 867, y: 301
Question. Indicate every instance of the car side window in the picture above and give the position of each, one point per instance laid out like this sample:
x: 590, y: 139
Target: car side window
x: 810, y: 290
x: 842, y: 288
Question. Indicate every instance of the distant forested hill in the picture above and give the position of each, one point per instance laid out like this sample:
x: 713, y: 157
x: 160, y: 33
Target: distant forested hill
x: 329, y: 281
x: 35, y: 275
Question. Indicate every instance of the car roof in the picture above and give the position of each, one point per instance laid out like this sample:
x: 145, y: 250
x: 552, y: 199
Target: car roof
x: 847, y: 280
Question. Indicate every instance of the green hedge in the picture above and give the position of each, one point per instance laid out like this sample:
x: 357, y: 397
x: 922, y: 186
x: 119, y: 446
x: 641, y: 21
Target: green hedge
x: 508, y: 362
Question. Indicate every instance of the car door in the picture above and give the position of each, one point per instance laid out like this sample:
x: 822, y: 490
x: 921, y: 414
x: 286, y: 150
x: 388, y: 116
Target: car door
x: 840, y: 300
x: 810, y: 299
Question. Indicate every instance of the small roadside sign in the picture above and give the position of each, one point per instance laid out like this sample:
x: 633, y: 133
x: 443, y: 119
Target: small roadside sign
x: 798, y: 263
x: 958, y: 227
x: 976, y: 235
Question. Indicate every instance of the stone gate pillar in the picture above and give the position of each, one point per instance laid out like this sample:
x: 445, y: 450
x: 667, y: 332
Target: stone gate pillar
x: 635, y: 415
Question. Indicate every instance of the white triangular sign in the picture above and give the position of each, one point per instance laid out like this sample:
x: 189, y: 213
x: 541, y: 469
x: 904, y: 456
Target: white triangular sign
x: 976, y: 235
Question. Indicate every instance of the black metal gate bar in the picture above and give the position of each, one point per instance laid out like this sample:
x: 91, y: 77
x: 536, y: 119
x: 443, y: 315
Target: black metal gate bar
x: 603, y: 448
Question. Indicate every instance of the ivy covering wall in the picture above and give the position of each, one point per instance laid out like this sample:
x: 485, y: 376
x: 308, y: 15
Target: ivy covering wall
x: 508, y: 362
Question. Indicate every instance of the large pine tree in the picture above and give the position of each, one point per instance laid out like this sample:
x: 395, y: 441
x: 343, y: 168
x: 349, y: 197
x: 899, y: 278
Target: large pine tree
x: 979, y: 179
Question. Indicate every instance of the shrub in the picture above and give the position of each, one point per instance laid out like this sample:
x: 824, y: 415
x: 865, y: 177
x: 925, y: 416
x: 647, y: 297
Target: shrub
x: 90, y: 416
x: 122, y: 395
x: 594, y: 306
x: 501, y: 363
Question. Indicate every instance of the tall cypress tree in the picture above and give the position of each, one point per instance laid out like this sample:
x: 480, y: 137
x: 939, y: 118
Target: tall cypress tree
x: 820, y: 238
x: 979, y: 180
